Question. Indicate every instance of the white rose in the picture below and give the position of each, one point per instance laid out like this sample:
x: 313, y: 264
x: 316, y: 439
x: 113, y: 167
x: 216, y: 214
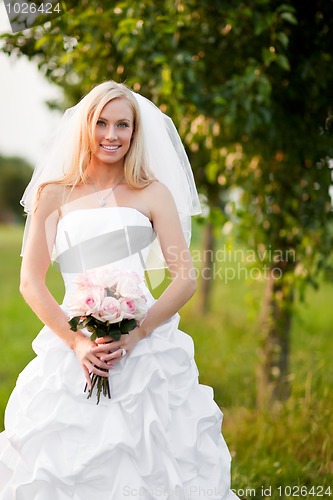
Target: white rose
x: 128, y: 285
x: 141, y: 309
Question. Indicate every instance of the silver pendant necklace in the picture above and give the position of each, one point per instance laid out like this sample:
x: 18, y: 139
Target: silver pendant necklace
x: 102, y: 201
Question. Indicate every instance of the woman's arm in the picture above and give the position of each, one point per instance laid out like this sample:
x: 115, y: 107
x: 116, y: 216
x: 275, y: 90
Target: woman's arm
x: 35, y: 263
x: 178, y: 257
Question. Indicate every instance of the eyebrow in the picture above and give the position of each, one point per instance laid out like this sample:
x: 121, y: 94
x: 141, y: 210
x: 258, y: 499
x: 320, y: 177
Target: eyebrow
x: 121, y: 120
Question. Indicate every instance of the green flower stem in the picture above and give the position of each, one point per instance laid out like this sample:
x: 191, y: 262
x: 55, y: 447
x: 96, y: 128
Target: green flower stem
x: 102, y: 385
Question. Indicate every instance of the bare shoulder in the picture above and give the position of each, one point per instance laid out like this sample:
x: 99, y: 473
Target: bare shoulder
x: 161, y: 205
x: 50, y: 197
x: 158, y: 196
x: 53, y: 189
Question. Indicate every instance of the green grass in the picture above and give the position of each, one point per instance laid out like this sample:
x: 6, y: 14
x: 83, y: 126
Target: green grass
x: 18, y: 324
x: 288, y: 446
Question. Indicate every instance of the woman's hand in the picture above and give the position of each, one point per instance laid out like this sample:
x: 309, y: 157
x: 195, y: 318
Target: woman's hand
x: 89, y: 360
x: 106, y: 345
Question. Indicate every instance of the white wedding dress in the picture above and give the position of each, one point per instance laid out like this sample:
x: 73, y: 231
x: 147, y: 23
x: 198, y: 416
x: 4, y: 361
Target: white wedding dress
x: 159, y: 437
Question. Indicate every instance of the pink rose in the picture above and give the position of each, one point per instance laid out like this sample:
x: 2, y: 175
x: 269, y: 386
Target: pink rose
x: 141, y: 309
x: 105, y: 276
x: 86, y: 300
x: 85, y: 279
x: 100, y: 276
x: 128, y: 307
x: 109, y: 310
x: 128, y: 285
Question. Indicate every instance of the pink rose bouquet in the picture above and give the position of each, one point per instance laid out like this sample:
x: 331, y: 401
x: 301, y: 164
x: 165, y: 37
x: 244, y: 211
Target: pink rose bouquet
x: 107, y: 302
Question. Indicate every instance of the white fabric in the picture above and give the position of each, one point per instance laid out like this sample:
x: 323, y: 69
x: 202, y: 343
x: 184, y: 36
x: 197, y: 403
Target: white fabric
x: 170, y: 164
x: 166, y: 155
x: 158, y: 437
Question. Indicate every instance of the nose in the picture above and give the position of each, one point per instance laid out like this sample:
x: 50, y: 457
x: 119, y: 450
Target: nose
x: 111, y: 133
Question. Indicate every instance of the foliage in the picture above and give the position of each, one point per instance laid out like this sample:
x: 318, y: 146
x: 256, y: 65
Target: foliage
x: 15, y: 174
x: 248, y: 85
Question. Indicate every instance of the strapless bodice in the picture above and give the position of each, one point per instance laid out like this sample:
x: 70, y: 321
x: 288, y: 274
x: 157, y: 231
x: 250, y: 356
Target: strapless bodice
x: 93, y: 237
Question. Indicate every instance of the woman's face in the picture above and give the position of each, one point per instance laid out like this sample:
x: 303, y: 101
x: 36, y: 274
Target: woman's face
x: 114, y: 130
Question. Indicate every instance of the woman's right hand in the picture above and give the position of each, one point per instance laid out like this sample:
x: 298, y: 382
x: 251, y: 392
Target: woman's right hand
x: 89, y: 361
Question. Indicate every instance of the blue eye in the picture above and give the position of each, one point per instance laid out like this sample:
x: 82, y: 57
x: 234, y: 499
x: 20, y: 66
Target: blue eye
x: 100, y: 123
x: 123, y: 124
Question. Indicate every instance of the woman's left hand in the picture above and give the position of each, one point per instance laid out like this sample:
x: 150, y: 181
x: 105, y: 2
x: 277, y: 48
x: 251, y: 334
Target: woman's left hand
x: 105, y: 345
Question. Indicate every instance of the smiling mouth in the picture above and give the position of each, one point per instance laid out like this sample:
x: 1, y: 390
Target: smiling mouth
x: 110, y: 148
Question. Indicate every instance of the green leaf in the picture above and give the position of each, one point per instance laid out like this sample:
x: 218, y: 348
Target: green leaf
x: 127, y: 325
x: 115, y: 335
x: 268, y: 56
x: 286, y: 7
x: 283, y: 62
x: 289, y: 17
x: 42, y: 41
x: 100, y: 323
x: 74, y: 322
x: 87, y: 321
x: 114, y: 331
x: 100, y: 333
x: 90, y: 328
x: 282, y: 37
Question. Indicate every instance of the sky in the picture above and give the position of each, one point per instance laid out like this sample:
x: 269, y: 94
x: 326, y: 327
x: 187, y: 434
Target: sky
x: 26, y: 123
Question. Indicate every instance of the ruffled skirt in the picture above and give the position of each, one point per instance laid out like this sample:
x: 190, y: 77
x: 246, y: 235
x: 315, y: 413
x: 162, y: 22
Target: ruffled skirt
x: 159, y: 437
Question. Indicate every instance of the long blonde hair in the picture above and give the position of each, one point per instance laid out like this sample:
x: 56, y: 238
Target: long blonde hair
x: 136, y: 168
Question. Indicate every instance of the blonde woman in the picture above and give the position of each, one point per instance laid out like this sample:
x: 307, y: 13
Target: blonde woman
x: 115, y: 189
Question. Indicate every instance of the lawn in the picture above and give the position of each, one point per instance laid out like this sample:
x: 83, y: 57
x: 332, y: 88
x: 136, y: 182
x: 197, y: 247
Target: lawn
x: 284, y: 449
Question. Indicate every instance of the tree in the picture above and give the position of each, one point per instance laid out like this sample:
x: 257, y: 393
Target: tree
x: 287, y: 209
x: 15, y: 174
x: 232, y: 76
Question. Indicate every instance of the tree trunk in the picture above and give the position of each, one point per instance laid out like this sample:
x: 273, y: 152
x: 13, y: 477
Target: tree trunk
x: 273, y: 380
x: 206, y: 268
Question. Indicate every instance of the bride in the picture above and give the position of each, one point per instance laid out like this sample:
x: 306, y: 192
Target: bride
x: 115, y: 189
